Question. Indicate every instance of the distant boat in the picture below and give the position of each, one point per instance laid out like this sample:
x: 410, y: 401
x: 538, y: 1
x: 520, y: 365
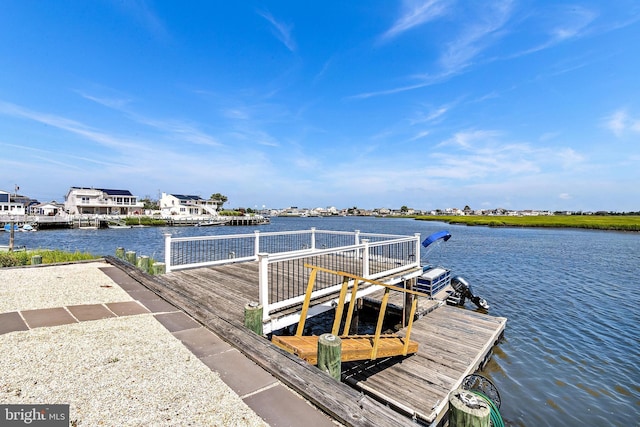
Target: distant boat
x: 211, y: 223
x: 117, y: 224
x: 5, y: 248
x: 7, y: 227
x: 27, y: 227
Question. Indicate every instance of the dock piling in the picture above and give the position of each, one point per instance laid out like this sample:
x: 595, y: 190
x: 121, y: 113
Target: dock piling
x: 130, y: 257
x: 143, y: 263
x: 330, y: 355
x: 120, y: 253
x: 253, y: 317
x: 468, y: 410
x: 158, y: 268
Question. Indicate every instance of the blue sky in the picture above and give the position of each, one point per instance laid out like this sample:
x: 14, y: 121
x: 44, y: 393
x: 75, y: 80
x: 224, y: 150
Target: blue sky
x: 428, y: 104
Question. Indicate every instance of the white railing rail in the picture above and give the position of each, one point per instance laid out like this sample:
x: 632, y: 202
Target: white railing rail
x: 202, y: 251
x: 281, y: 257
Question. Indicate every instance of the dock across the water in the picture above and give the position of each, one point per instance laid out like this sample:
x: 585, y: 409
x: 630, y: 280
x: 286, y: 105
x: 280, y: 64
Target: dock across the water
x: 410, y: 390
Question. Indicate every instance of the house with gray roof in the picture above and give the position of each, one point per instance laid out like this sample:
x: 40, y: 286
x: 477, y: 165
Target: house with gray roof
x: 101, y: 201
x: 188, y: 205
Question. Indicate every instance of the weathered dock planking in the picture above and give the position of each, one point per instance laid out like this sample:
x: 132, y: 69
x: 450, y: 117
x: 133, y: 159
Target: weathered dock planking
x: 453, y: 343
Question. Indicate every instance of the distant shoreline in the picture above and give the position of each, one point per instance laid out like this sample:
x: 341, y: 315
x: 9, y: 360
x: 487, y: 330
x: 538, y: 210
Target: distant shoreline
x: 590, y: 222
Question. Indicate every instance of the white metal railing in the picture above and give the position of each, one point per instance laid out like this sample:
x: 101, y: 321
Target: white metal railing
x: 191, y: 252
x: 282, y: 277
x: 285, y: 274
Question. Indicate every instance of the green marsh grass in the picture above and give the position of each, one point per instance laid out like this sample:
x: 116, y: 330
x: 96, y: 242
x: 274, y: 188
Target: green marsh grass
x: 14, y: 259
x: 145, y: 220
x: 594, y: 222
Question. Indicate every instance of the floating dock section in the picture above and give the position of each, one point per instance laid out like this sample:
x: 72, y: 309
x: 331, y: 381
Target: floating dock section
x: 453, y: 343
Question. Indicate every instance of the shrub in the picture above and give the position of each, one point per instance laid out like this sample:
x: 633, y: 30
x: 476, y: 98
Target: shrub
x: 8, y: 259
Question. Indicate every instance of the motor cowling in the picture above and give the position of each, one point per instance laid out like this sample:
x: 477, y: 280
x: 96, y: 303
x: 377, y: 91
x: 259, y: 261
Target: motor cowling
x: 462, y: 291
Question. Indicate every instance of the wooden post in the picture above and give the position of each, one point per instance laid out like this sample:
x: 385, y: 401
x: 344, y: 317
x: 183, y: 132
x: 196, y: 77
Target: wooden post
x: 159, y: 268
x: 36, y: 260
x: 253, y: 317
x: 467, y: 409
x: 120, y: 253
x: 12, y: 234
x: 408, y: 301
x: 330, y: 355
x: 143, y: 263
x: 130, y: 257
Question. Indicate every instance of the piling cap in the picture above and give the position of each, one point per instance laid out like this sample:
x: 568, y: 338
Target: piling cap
x: 471, y: 400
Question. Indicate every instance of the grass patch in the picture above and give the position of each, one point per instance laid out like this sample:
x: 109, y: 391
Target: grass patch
x: 594, y: 222
x: 230, y: 213
x: 14, y: 259
x: 145, y: 220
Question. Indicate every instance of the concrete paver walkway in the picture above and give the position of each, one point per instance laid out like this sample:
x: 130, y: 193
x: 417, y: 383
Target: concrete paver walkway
x: 264, y: 394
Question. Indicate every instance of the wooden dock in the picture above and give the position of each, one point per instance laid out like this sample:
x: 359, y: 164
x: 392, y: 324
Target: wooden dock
x: 453, y: 343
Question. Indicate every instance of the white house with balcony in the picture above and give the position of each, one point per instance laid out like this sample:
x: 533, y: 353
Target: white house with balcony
x: 101, y: 201
x: 188, y: 205
x: 46, y: 209
x: 11, y: 204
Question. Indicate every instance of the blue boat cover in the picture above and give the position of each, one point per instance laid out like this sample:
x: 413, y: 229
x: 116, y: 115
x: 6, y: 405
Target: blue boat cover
x: 435, y: 236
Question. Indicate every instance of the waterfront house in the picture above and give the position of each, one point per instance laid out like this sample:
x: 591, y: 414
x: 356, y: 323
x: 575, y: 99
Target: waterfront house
x: 46, y: 209
x: 11, y: 204
x: 101, y: 201
x: 188, y: 205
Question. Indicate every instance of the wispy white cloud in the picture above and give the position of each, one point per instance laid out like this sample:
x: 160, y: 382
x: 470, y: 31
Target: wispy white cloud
x: 620, y: 123
x: 236, y: 113
x: 110, y: 102
x: 68, y: 125
x: 569, y: 158
x: 487, y: 27
x: 486, y: 154
x: 179, y: 130
x: 415, y: 13
x: 569, y: 22
x: 144, y: 15
x: 425, y: 82
x: 282, y: 31
x: 255, y: 137
x: 420, y: 135
x: 173, y: 128
x: 433, y: 115
x: 475, y: 31
x: 575, y: 21
x: 466, y: 139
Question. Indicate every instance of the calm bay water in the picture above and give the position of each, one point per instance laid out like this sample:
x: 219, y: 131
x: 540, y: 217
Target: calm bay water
x: 571, y: 353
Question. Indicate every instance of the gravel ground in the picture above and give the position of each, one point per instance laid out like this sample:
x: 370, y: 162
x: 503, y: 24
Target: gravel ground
x: 113, y: 372
x: 57, y: 286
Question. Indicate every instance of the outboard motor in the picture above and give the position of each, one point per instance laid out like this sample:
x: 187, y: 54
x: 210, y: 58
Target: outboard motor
x: 463, y: 291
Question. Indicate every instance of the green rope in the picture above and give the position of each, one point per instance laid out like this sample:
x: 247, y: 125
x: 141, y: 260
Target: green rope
x: 494, y: 414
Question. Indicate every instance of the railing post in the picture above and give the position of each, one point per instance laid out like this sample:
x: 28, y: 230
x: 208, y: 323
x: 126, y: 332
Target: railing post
x: 417, y: 235
x: 357, y: 237
x: 167, y: 252
x: 256, y: 246
x: 313, y: 238
x: 263, y: 283
x: 365, y: 258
